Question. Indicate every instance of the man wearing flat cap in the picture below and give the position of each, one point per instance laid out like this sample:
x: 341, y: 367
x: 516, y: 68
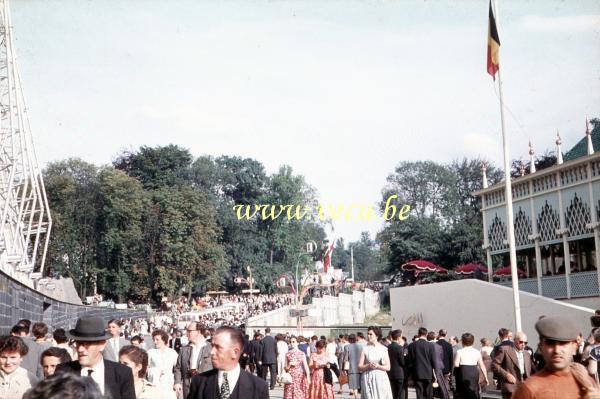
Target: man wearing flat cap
x: 561, y: 378
x: 114, y: 379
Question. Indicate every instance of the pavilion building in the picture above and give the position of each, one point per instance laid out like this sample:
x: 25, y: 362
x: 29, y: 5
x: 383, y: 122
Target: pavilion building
x: 556, y: 222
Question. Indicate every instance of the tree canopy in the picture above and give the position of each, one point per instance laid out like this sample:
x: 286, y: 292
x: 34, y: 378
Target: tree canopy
x: 160, y: 223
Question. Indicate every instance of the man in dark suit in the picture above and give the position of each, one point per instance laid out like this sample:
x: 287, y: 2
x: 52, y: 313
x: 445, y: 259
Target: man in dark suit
x: 175, y: 341
x: 254, y: 352
x: 227, y: 380
x: 422, y: 362
x: 397, y: 365
x: 113, y: 379
x: 447, y: 356
x: 193, y: 358
x: 512, y: 364
x: 268, y: 357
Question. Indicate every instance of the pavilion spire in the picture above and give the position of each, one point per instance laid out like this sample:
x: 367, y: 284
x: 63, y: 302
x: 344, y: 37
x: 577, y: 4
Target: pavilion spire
x: 531, y: 161
x: 483, y: 169
x: 559, y: 157
x: 588, y: 133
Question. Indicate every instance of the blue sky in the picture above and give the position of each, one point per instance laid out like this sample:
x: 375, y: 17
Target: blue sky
x: 342, y: 91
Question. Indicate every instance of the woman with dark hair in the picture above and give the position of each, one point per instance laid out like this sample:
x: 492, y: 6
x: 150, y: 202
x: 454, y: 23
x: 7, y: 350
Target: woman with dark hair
x: 65, y: 386
x: 60, y: 337
x: 161, y: 361
x: 468, y: 364
x: 295, y: 364
x: 320, y: 386
x: 14, y: 379
x: 375, y: 363
x: 137, y: 359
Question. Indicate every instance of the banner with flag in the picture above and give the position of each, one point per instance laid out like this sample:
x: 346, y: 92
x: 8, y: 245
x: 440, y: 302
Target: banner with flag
x: 327, y: 257
x: 493, y: 50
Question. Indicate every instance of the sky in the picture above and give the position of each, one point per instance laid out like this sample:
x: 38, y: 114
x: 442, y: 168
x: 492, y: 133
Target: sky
x: 342, y: 91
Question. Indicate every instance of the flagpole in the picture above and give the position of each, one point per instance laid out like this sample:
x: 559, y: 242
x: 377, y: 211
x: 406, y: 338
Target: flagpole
x: 352, y: 262
x: 509, y: 204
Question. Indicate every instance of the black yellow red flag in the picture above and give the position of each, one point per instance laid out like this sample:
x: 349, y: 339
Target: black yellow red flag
x: 493, y: 50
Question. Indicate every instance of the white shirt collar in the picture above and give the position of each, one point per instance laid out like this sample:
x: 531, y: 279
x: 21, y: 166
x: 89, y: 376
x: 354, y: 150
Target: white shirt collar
x: 97, y: 374
x: 232, y: 377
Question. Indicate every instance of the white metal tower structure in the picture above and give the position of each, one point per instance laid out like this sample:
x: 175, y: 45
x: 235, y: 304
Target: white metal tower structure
x: 25, y: 220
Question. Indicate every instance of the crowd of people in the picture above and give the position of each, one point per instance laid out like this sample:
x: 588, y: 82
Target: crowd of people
x: 95, y: 359
x: 246, y: 306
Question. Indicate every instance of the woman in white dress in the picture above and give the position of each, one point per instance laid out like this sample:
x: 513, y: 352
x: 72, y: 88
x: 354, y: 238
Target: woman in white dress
x: 162, y: 360
x: 136, y: 358
x: 375, y: 363
x: 282, y: 349
x: 330, y: 350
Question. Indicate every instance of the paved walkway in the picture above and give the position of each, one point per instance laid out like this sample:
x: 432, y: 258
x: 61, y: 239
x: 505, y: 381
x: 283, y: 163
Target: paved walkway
x: 277, y: 393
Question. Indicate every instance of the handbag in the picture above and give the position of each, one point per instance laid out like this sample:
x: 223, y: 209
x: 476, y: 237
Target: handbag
x: 285, y: 378
x: 343, y: 380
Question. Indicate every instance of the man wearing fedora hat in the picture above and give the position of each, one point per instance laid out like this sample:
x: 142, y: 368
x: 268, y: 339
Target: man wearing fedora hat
x: 561, y: 377
x: 114, y: 379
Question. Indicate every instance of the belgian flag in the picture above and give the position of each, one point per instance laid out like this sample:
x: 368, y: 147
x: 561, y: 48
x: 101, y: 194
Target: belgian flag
x: 493, y: 50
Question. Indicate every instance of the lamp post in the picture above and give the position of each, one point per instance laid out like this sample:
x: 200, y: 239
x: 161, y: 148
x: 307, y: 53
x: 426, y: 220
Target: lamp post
x: 297, y: 279
x: 251, y: 281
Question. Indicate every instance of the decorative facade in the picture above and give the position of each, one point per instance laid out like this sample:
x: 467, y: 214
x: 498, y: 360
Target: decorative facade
x: 556, y: 221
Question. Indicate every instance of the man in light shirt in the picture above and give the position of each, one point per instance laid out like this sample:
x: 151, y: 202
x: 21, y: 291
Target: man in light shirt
x: 512, y: 364
x: 227, y: 379
x: 113, y: 379
x: 115, y: 342
x: 193, y: 358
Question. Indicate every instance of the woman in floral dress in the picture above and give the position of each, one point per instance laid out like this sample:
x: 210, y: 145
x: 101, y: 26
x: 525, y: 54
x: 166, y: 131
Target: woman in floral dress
x: 295, y: 364
x: 319, y: 389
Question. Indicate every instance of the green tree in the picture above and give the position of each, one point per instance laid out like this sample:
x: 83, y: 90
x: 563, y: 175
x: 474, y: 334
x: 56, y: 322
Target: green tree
x: 185, y: 247
x: 72, y: 189
x: 156, y: 167
x: 122, y: 202
x: 445, y: 224
x: 369, y: 265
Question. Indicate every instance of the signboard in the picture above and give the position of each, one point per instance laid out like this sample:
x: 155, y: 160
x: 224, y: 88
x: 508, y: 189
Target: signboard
x: 298, y: 312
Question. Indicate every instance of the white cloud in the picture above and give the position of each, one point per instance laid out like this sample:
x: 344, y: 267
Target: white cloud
x: 576, y: 23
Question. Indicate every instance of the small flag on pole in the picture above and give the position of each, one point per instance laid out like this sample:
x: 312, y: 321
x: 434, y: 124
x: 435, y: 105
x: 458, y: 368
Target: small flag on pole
x: 327, y: 260
x: 493, y: 50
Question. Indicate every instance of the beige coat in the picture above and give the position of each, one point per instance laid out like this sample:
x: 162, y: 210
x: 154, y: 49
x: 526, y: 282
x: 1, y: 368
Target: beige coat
x: 19, y: 382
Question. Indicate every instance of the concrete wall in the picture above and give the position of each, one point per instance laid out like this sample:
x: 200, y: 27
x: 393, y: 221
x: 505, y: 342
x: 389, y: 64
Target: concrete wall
x: 592, y: 303
x: 277, y: 317
x: 329, y: 310
x: 18, y: 301
x: 477, y: 307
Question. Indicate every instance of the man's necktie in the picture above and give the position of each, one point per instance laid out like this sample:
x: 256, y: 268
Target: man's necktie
x: 225, y: 388
x: 90, y: 371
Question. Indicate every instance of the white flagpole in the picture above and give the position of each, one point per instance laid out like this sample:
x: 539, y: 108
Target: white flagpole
x: 352, y: 261
x: 509, y: 204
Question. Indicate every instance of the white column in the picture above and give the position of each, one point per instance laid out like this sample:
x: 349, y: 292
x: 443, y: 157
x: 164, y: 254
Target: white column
x: 594, y: 225
x: 564, y: 232
x: 486, y: 241
x: 535, y: 236
x: 538, y: 265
